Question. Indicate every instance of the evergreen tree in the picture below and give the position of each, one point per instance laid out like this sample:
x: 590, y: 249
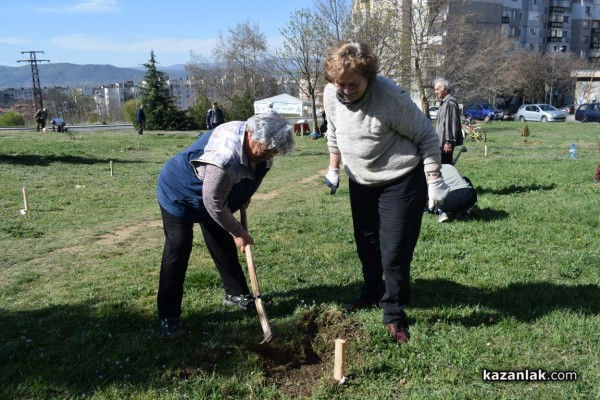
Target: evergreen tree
x: 159, y: 107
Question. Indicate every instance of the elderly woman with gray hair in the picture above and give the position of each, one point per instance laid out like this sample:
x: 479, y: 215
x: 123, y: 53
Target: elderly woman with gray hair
x: 205, y: 184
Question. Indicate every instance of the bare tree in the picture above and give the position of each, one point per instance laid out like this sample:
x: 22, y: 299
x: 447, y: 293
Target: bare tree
x: 379, y: 27
x: 336, y: 15
x: 302, y: 55
x: 243, y: 54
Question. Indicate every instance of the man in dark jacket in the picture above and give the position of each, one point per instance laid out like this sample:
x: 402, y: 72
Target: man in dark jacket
x: 214, y: 117
x: 447, y: 124
x: 140, y: 117
x: 40, y: 118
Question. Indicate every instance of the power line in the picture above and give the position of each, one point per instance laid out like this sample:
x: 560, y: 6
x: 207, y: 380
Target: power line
x: 35, y: 76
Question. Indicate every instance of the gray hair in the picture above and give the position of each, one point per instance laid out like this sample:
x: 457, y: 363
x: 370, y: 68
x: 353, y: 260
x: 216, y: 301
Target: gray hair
x: 443, y: 83
x: 273, y: 130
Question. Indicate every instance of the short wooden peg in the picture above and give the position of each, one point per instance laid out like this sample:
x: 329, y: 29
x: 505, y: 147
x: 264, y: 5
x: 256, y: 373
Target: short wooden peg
x: 111, y: 168
x: 338, y: 368
x: 25, y: 202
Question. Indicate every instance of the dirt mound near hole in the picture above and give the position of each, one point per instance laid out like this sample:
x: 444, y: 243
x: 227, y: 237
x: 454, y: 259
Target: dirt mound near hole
x: 302, y: 357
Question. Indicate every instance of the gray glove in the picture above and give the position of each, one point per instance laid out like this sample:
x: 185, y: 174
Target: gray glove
x: 437, y: 190
x: 332, y: 179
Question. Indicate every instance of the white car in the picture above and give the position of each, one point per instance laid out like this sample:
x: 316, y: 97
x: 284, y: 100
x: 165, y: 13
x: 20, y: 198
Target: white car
x: 433, y: 112
x: 540, y: 112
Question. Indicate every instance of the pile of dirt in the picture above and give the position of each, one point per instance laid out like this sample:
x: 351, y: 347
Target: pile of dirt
x: 303, y: 355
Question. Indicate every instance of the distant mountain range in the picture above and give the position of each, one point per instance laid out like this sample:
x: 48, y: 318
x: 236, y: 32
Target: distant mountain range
x: 74, y: 75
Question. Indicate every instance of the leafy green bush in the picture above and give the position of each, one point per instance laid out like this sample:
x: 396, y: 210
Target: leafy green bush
x: 12, y: 118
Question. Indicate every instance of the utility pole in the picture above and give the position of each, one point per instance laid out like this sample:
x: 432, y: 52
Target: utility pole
x: 35, y: 76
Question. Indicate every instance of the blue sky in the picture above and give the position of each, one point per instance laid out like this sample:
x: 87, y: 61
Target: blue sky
x: 123, y: 32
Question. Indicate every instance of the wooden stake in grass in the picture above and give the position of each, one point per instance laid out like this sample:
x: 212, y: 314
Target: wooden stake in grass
x: 23, y: 210
x: 111, y: 168
x: 338, y: 367
x: 485, y: 150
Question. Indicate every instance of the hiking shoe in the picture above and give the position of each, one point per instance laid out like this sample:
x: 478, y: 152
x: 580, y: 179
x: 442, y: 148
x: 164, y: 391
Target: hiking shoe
x: 360, y: 304
x: 399, y: 331
x: 169, y: 327
x: 242, y: 301
x: 443, y: 217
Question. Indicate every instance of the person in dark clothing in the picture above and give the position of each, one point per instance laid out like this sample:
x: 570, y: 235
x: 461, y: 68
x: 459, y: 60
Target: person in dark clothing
x: 140, y: 118
x: 205, y: 184
x: 447, y: 124
x: 323, y: 127
x: 58, y: 125
x: 391, y: 157
x: 40, y: 118
x: 214, y: 117
x: 462, y: 195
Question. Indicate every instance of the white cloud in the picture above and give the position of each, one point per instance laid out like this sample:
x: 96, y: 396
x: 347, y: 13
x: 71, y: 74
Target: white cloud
x: 140, y: 44
x: 83, y: 7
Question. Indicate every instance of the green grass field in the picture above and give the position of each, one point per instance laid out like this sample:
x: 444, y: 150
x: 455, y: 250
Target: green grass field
x: 516, y: 287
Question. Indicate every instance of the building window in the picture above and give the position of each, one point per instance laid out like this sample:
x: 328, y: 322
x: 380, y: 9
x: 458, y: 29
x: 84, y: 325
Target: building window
x: 533, y: 31
x: 586, y: 24
x: 585, y: 39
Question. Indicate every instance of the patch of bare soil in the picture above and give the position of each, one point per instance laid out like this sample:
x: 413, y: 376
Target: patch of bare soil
x: 275, y: 193
x: 302, y: 357
x: 115, y: 238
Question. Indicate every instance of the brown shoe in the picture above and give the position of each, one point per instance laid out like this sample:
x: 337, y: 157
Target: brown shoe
x: 399, y: 331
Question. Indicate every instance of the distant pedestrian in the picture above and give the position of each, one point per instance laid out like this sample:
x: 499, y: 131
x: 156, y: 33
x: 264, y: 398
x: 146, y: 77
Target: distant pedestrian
x: 140, y: 117
x: 447, y: 124
x: 40, y: 118
x: 214, y: 117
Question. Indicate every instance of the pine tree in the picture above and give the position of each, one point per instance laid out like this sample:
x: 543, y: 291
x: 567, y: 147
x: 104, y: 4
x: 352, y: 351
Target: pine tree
x: 159, y: 107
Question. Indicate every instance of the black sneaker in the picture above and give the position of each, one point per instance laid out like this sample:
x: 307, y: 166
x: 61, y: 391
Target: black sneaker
x: 242, y: 301
x: 169, y: 327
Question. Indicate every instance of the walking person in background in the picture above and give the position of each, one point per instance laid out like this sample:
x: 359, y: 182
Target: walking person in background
x: 206, y: 184
x: 40, y: 118
x: 447, y: 124
x: 391, y: 155
x: 214, y: 117
x: 140, y: 118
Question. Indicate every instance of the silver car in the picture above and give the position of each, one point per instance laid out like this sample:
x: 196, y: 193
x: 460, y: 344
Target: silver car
x: 540, y: 112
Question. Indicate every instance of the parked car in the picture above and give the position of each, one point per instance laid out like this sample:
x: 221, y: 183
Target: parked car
x: 433, y: 110
x: 588, y: 112
x: 482, y: 111
x: 569, y: 108
x: 540, y: 112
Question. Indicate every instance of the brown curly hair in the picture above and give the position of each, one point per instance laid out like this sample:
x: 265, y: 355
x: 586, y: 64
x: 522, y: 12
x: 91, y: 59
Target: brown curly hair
x: 350, y: 55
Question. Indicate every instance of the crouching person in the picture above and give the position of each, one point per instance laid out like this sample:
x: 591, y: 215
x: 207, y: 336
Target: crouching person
x: 460, y: 199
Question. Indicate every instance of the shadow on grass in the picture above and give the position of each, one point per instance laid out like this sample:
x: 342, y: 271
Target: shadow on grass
x: 514, y: 189
x: 67, y: 351
x: 525, y: 302
x: 38, y: 160
x: 486, y: 214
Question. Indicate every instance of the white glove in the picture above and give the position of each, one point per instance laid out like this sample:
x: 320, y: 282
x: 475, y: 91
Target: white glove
x: 437, y: 190
x: 332, y: 179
